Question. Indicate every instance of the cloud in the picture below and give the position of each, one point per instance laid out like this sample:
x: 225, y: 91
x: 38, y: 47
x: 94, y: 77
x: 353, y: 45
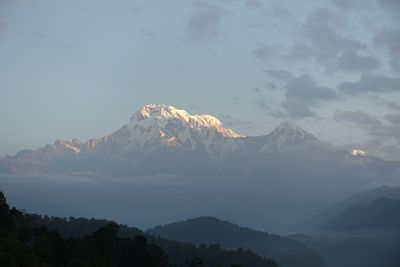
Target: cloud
x: 205, y: 23
x: 387, y: 103
x: 347, y: 4
x: 389, y: 39
x: 393, y: 118
x: 3, y: 25
x: 360, y: 118
x: 371, y: 83
x: 393, y: 5
x: 254, y: 4
x: 300, y: 51
x: 306, y: 89
x: 352, y: 61
x: 391, y: 151
x: 374, y: 126
x: 280, y: 12
x: 320, y: 29
x: 386, y: 147
x: 303, y: 94
x: 297, y: 109
x: 280, y: 75
x: 265, y: 52
x: 323, y: 40
x: 147, y: 33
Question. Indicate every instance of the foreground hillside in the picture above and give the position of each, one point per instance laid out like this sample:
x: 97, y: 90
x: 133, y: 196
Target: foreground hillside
x: 23, y: 242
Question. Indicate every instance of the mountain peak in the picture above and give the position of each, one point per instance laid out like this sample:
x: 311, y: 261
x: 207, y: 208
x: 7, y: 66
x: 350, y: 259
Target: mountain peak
x: 287, y: 126
x: 157, y: 126
x: 161, y: 115
x: 289, y: 134
x: 150, y: 110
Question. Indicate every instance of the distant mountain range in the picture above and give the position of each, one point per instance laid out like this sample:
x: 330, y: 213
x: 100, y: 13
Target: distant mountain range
x: 381, y: 214
x: 362, y: 230
x: 209, y: 230
x: 268, y: 182
x: 368, y: 200
x: 164, y: 139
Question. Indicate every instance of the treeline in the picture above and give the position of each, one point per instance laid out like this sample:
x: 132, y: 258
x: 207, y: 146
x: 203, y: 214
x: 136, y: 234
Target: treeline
x: 27, y: 240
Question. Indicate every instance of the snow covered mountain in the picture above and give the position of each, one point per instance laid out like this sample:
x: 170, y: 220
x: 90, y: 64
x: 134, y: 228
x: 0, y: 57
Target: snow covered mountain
x: 160, y: 126
x: 164, y: 139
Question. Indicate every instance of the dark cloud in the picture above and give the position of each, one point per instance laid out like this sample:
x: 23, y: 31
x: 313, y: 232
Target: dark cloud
x: 347, y: 4
x: 393, y: 118
x: 262, y: 104
x: 387, y: 103
x: 371, y: 83
x: 33, y: 4
x: 205, y: 23
x: 352, y: 61
x: 305, y: 89
x: 256, y: 90
x: 297, y: 109
x: 136, y: 10
x: 3, y: 25
x: 300, y: 51
x: 265, y: 52
x: 390, y: 40
x: 280, y: 12
x: 280, y: 75
x: 147, y: 32
x: 323, y: 16
x: 393, y: 5
x: 303, y: 94
x: 64, y: 44
x: 271, y: 85
x: 373, y: 125
x: 254, y: 4
x: 360, y: 118
x: 324, y: 41
x: 391, y: 151
x: 321, y: 30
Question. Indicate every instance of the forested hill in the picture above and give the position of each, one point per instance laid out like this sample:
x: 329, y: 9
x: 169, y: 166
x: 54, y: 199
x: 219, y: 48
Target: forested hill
x: 209, y: 230
x: 26, y: 241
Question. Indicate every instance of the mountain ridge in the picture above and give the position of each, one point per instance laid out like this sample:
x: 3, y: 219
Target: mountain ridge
x: 210, y: 230
x: 363, y: 198
x: 165, y: 139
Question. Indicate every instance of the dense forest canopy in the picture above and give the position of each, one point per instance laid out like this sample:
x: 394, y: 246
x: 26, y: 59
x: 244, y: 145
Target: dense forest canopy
x: 31, y: 240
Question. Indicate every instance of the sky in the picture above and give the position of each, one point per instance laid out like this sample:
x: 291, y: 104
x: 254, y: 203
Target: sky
x: 80, y: 68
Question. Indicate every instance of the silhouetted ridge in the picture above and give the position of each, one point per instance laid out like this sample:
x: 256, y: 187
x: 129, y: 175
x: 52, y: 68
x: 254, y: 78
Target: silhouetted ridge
x: 25, y: 240
x: 383, y: 213
x: 209, y: 230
